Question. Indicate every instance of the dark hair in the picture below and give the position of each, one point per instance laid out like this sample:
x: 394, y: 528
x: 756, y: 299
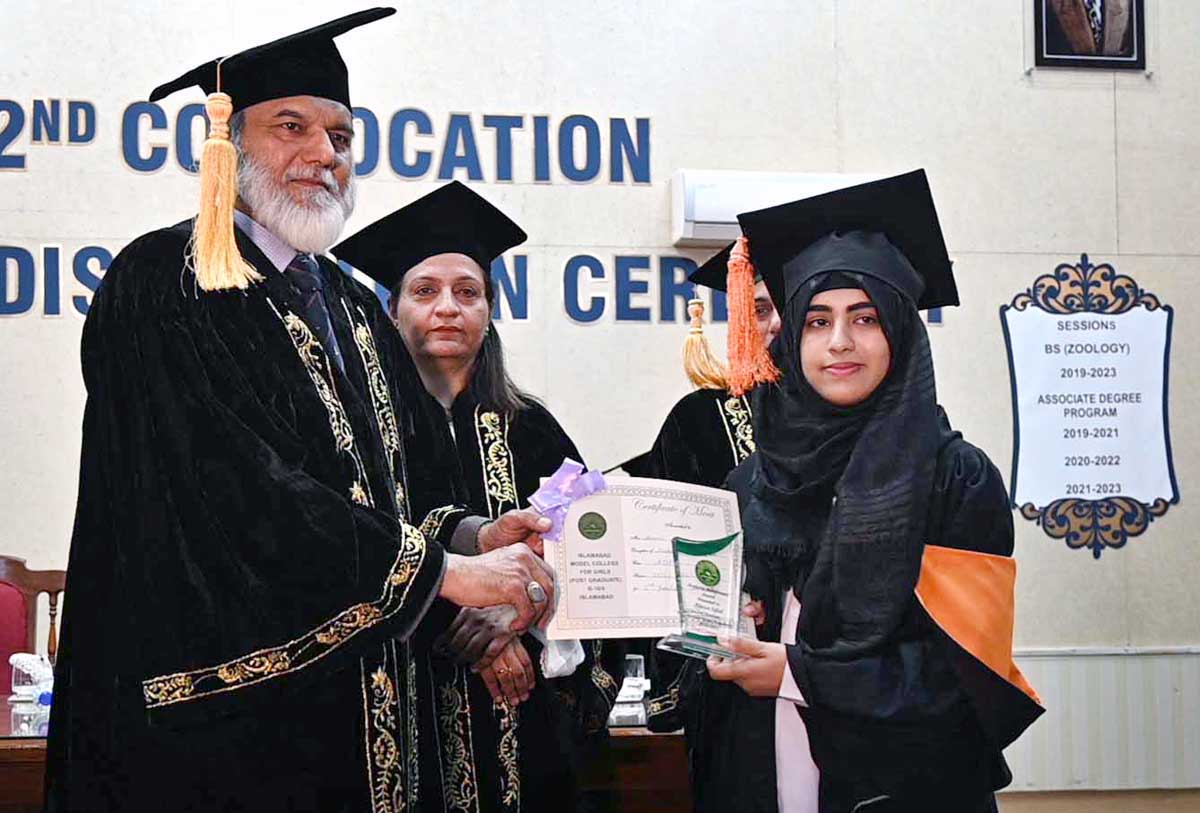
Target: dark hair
x: 491, y: 384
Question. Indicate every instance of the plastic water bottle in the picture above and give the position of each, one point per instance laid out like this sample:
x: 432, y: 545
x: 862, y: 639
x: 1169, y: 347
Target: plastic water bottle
x: 29, y: 672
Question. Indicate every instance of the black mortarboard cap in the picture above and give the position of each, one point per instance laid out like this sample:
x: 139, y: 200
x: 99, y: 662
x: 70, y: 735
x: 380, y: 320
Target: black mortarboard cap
x: 452, y: 219
x: 303, y: 64
x: 713, y: 272
x: 787, y: 248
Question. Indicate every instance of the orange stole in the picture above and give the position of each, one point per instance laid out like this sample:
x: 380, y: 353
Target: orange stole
x: 970, y: 596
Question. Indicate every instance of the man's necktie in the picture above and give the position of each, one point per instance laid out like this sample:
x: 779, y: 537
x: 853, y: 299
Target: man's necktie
x: 307, y: 278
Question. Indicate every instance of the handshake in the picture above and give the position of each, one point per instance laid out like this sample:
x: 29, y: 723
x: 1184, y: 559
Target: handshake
x: 504, y: 590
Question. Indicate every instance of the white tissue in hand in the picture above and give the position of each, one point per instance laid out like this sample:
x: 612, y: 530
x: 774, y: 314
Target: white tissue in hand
x: 559, y: 658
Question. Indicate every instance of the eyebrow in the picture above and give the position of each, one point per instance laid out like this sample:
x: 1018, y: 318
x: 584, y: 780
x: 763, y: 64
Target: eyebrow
x: 424, y: 277
x: 340, y: 127
x: 857, y: 306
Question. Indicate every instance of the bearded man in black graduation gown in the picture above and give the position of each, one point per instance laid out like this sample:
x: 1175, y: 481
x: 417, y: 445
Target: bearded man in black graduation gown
x: 244, y: 573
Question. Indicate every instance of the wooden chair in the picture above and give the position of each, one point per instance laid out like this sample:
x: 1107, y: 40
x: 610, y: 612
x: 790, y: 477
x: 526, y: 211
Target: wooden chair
x: 18, y: 581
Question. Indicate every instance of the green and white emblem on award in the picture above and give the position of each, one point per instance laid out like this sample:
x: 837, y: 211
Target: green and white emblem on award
x: 709, y: 578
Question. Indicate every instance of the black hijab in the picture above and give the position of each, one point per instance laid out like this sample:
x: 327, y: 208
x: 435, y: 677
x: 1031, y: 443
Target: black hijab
x: 838, y: 496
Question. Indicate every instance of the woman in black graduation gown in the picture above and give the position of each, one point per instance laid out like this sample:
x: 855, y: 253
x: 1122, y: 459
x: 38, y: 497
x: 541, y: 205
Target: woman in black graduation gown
x: 877, y: 539
x: 501, y: 748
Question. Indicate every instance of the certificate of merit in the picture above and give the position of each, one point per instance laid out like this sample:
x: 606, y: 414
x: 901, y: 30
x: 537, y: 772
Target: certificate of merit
x: 615, y: 565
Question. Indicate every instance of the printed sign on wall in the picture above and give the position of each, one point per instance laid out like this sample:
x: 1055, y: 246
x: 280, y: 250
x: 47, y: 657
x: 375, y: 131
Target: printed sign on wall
x: 1088, y: 358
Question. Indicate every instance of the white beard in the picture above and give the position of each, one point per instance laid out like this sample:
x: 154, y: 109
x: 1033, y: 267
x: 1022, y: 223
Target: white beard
x: 311, y: 228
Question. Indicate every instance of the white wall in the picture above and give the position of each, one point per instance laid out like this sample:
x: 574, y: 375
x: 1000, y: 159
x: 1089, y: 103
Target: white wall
x: 1029, y: 168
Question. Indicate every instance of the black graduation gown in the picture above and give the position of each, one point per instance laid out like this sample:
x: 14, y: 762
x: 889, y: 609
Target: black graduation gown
x: 705, y: 435
x: 917, y: 722
x: 242, y: 576
x: 495, y: 758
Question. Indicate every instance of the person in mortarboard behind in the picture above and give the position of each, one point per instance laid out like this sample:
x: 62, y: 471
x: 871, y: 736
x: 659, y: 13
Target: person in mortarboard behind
x: 709, y: 430
x: 877, y: 539
x: 505, y: 732
x: 243, y: 571
x: 706, y: 434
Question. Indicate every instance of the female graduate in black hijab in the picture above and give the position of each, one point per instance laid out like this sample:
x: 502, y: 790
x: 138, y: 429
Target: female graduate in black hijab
x: 868, y: 514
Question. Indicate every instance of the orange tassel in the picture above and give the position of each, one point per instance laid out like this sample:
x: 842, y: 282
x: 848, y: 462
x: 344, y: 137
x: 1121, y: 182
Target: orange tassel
x: 703, y: 369
x: 749, y: 362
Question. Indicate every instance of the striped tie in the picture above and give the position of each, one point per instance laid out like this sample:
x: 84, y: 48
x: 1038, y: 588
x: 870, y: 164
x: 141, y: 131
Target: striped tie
x: 308, y: 280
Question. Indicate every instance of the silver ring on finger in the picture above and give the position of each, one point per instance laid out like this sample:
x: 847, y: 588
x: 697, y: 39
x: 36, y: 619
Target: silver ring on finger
x: 537, y: 594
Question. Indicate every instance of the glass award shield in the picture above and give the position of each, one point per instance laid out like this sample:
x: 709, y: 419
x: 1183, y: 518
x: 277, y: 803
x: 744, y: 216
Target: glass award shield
x: 709, y: 580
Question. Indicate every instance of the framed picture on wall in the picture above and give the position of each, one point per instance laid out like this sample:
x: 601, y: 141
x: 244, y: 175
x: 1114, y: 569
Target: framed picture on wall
x: 1104, y: 34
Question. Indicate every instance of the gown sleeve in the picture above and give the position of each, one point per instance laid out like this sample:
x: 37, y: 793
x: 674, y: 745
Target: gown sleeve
x: 237, y: 572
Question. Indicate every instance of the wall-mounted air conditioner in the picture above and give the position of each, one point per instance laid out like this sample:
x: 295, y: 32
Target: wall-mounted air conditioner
x: 705, y: 203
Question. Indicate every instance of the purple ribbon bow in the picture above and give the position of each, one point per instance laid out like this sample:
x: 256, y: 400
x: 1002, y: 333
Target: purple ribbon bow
x: 564, y: 487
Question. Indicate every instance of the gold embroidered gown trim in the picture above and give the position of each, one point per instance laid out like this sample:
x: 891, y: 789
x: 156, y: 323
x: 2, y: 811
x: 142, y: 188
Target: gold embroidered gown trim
x: 460, y: 790
x: 499, y: 487
x: 603, y: 680
x: 381, y: 400
x: 316, y: 363
x: 509, y: 752
x: 431, y: 526
x: 668, y: 700
x: 499, y: 472
x: 413, y: 775
x: 298, y: 653
x: 381, y: 710
x: 738, y: 420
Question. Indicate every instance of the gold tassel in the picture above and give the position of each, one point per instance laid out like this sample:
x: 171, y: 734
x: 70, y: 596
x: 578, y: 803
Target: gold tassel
x: 213, y: 253
x: 703, y: 368
x: 749, y: 362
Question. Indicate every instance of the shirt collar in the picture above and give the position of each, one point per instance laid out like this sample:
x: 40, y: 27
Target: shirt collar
x: 274, y: 249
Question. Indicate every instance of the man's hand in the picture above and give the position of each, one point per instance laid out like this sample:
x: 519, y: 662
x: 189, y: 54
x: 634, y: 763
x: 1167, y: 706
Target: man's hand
x: 477, y: 636
x: 510, y: 678
x: 760, y: 674
x: 513, y: 527
x: 501, y: 577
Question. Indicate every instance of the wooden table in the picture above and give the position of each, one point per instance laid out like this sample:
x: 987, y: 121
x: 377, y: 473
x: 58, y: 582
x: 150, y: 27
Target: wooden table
x: 637, y: 771
x: 22, y: 766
